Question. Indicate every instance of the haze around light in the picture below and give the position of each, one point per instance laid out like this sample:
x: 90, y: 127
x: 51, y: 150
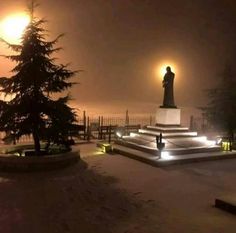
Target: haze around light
x: 161, y: 70
x: 13, y: 26
x: 121, y: 46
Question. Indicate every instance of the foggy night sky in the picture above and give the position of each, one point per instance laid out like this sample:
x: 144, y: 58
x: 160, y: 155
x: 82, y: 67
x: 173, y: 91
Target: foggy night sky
x: 120, y: 43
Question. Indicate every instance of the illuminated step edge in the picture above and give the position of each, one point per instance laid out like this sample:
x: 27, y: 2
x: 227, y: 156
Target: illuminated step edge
x: 164, y: 134
x: 153, y: 136
x: 172, y: 160
x: 172, y: 151
x: 160, y: 128
x: 202, y: 139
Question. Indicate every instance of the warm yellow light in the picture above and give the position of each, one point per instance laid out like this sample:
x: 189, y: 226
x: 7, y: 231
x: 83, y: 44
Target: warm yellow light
x: 13, y: 26
x: 226, y: 146
x: 161, y: 69
x: 7, y: 98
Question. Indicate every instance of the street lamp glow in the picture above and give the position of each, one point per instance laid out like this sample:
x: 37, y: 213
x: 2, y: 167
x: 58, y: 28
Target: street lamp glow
x: 13, y: 26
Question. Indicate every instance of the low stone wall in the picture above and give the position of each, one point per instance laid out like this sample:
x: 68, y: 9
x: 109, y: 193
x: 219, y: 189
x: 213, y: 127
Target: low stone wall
x: 11, y: 163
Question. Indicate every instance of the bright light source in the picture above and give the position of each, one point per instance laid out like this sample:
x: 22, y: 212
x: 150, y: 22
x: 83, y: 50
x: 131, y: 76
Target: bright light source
x: 210, y: 142
x: 218, y: 141
x: 17, y: 154
x: 161, y: 69
x: 118, y: 134
x: 166, y: 156
x: 13, y: 26
x: 226, y: 146
x: 106, y: 148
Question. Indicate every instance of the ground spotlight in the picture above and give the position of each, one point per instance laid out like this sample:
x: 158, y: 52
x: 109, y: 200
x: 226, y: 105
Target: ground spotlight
x: 119, y: 134
x: 166, y: 155
x: 218, y: 140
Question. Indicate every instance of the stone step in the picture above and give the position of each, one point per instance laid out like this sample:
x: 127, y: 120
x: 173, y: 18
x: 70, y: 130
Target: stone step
x: 157, y: 161
x: 152, y: 137
x: 133, y: 145
x: 136, y: 154
x: 145, y: 147
x: 175, y: 140
x: 169, y: 134
x: 167, y: 129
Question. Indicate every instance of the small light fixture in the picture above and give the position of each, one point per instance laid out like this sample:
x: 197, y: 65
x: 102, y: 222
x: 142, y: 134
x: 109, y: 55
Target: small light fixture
x: 107, y: 148
x: 166, y: 155
x: 226, y: 145
x: 218, y: 140
x: 119, y: 134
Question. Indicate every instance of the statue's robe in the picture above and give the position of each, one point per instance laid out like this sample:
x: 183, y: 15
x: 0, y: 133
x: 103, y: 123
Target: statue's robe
x: 168, y: 84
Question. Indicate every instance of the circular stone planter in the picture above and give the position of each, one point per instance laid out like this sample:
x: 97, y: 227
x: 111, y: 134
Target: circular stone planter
x: 13, y: 163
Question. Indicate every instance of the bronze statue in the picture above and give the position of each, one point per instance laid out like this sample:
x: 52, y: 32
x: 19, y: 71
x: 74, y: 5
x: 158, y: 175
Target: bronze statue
x: 168, y: 85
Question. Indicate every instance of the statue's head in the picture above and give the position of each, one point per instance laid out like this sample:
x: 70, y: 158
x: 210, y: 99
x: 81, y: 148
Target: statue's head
x: 168, y: 69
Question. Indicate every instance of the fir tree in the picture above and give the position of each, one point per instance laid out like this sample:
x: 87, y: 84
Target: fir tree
x: 221, y: 109
x: 36, y: 77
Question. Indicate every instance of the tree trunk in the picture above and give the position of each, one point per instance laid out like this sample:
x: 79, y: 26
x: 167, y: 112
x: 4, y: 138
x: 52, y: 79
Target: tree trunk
x: 47, y: 146
x: 36, y: 143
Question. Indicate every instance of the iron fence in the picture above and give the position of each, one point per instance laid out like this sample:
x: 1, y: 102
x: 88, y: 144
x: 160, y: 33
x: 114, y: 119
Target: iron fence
x: 91, y: 126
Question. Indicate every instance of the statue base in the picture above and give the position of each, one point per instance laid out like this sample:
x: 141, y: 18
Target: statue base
x: 162, y: 106
x: 168, y: 116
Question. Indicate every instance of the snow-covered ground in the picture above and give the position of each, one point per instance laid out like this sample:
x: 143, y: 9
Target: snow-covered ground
x: 112, y: 193
x: 180, y: 198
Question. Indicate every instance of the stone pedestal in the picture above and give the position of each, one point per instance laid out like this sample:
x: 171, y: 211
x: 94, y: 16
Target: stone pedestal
x: 168, y: 116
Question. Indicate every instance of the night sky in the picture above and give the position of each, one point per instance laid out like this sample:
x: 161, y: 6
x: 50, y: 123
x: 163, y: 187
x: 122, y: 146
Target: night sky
x: 120, y: 43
